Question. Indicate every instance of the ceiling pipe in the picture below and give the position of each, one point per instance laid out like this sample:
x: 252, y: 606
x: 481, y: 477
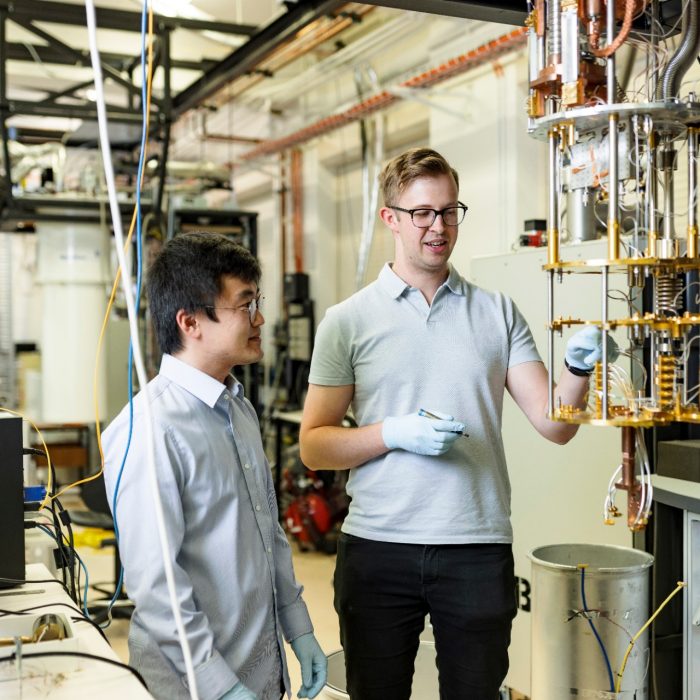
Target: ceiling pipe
x: 249, y: 56
x: 455, y: 66
x: 322, y: 30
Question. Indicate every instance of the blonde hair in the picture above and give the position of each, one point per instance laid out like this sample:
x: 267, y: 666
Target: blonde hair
x: 400, y: 171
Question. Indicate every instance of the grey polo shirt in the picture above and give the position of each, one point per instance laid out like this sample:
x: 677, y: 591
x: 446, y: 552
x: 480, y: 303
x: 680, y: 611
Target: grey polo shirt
x: 452, y: 356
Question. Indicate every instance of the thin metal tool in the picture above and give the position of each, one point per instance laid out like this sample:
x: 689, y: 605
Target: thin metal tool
x: 432, y: 416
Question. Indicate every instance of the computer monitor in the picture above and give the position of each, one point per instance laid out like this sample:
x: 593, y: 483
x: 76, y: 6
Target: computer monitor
x: 11, y: 503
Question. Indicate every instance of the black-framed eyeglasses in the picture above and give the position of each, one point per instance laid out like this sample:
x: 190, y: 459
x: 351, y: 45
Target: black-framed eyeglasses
x: 252, y: 307
x: 424, y: 218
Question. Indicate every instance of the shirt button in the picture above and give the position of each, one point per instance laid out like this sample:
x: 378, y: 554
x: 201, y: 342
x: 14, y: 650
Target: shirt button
x: 257, y: 507
x: 269, y: 549
x: 246, y: 466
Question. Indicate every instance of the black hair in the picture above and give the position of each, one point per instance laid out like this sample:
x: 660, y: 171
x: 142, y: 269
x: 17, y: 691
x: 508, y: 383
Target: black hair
x: 188, y: 274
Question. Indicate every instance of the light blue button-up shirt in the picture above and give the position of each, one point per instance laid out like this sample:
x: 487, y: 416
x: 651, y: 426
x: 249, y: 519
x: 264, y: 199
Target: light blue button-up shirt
x: 231, y: 560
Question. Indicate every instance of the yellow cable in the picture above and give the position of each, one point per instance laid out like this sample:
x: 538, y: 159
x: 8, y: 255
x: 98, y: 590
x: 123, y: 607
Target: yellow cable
x: 49, y: 486
x: 115, y: 286
x: 618, y: 682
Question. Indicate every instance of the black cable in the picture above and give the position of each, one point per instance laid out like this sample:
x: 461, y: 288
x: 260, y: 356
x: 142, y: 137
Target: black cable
x: 68, y: 566
x: 82, y: 618
x: 33, y: 451
x: 62, y: 560
x: 57, y: 527
x: 20, y: 581
x: 82, y: 655
x: 65, y: 519
x: 74, y: 553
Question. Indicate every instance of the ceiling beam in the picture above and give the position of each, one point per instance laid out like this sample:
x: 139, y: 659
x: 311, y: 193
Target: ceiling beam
x: 245, y: 58
x: 25, y: 134
x: 508, y: 12
x: 107, y: 18
x: 117, y: 114
x: 52, y: 55
x: 81, y: 57
x: 54, y: 95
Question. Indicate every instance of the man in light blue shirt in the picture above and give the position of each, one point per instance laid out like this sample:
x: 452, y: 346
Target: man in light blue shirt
x: 231, y: 561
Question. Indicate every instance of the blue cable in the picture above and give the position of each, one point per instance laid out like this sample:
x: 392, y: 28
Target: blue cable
x: 595, y: 632
x: 139, y: 280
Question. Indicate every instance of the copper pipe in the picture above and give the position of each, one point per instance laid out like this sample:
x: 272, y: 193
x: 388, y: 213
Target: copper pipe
x: 629, y: 482
x: 282, y: 194
x: 230, y: 139
x: 307, y: 40
x: 297, y: 210
x: 628, y: 457
x: 455, y: 66
x: 610, y: 49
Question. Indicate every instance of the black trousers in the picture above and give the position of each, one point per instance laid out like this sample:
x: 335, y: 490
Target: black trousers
x: 383, y: 591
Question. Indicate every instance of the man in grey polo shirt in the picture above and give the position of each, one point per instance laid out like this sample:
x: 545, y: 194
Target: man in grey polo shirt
x: 428, y: 530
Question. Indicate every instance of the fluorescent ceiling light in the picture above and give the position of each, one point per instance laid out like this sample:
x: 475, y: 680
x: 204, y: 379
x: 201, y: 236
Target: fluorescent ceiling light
x: 176, y: 8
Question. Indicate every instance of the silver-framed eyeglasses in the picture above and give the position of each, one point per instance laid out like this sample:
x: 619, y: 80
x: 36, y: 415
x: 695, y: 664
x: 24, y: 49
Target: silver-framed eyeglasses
x: 252, y: 307
x: 424, y: 218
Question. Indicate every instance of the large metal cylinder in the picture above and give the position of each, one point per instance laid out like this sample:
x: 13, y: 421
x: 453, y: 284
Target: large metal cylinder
x: 72, y: 271
x: 567, y: 660
x: 581, y: 215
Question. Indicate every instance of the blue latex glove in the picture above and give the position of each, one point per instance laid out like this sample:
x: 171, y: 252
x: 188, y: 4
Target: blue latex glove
x: 585, y: 348
x: 419, y: 434
x: 314, y: 665
x: 239, y: 692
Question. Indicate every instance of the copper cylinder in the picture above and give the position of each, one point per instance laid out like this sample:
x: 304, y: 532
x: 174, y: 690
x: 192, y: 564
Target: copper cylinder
x: 628, y: 457
x: 629, y: 482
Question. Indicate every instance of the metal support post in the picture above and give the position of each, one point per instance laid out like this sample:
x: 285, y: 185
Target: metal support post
x: 4, y: 109
x: 165, y: 117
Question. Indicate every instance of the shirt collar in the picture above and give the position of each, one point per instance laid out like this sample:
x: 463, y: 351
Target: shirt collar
x: 198, y: 383
x: 395, y: 286
x: 455, y: 282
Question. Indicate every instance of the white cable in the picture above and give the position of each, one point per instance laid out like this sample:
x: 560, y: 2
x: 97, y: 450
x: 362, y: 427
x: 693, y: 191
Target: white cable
x: 645, y: 477
x: 610, y: 499
x: 133, y: 327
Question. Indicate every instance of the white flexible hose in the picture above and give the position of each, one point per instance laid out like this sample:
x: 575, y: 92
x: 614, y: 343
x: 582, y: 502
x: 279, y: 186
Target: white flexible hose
x: 133, y: 327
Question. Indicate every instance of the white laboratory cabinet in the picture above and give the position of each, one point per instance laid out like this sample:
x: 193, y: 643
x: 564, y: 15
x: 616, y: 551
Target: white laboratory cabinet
x: 685, y: 496
x: 558, y: 492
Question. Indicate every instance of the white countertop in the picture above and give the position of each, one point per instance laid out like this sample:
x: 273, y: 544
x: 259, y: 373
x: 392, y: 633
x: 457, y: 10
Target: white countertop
x: 677, y: 492
x: 62, y: 678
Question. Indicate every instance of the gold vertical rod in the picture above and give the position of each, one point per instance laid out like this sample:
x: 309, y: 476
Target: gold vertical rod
x: 692, y: 251
x: 613, y: 199
x: 553, y: 223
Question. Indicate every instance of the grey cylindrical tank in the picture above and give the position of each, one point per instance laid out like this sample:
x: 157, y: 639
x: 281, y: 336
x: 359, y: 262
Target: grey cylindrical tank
x: 581, y: 215
x: 567, y: 660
